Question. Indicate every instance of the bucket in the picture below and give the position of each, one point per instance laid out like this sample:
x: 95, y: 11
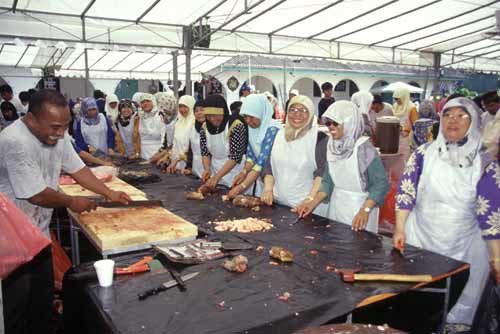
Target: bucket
x: 388, y: 129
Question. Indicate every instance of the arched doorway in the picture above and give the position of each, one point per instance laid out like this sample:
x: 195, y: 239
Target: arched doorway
x: 344, y: 89
x: 415, y: 96
x: 378, y: 84
x: 308, y: 87
x: 376, y: 90
x: 126, y: 89
x: 263, y: 84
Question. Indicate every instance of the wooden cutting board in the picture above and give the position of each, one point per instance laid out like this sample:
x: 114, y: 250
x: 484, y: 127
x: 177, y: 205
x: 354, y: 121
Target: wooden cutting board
x: 115, y: 184
x: 120, y: 228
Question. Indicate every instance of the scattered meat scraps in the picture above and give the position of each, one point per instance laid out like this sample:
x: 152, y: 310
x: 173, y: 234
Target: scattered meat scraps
x: 242, y: 225
x: 284, y: 297
x: 282, y: 254
x: 238, y: 264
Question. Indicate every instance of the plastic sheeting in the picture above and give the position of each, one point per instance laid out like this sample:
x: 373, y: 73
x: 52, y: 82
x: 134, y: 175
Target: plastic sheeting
x: 218, y: 301
x: 20, y: 240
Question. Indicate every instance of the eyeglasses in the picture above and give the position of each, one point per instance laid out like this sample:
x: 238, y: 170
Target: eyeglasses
x: 297, y: 111
x: 329, y: 123
x: 460, y: 117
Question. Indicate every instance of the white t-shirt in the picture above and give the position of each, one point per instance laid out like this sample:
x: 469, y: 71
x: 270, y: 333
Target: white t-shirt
x: 486, y: 118
x: 27, y: 167
x: 387, y: 111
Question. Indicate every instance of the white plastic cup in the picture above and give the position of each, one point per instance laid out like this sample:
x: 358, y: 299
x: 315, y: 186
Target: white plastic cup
x: 105, y: 269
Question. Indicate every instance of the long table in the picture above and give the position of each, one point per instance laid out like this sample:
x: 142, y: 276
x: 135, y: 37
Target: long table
x: 218, y: 301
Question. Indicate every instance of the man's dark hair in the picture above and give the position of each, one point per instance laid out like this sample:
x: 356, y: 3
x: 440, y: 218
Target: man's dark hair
x: 326, y: 86
x: 98, y: 94
x: 378, y: 99
x: 5, y: 106
x: 31, y: 91
x: 490, y: 97
x: 24, y: 96
x: 235, y: 106
x: 44, y: 97
x: 5, y: 89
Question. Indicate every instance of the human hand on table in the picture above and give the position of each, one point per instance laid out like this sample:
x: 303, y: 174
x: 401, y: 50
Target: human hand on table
x: 171, y: 169
x: 92, y: 149
x: 239, y: 178
x: 212, y: 182
x: 111, y: 151
x: 399, y: 239
x: 205, y: 176
x: 119, y: 196
x: 360, y: 221
x: 235, y: 191
x: 495, y: 269
x: 304, y: 209
x: 267, y: 197
x: 80, y: 204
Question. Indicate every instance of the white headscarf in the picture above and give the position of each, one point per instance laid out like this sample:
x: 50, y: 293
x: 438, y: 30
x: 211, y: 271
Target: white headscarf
x: 290, y: 132
x: 112, y: 113
x: 188, y: 121
x: 463, y: 153
x: 404, y: 109
x: 257, y: 105
x: 154, y: 111
x: 363, y: 100
x: 347, y: 114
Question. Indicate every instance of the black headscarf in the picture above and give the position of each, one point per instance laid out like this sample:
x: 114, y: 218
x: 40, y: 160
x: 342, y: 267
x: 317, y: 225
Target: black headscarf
x: 125, y: 103
x: 7, y: 106
x: 197, y: 125
x: 216, y: 101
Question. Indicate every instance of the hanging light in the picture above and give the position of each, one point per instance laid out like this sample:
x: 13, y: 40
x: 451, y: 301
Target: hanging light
x: 18, y: 42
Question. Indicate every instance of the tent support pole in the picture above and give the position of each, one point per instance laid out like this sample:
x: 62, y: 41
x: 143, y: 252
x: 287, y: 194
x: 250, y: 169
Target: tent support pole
x: 176, y: 73
x: 86, y: 56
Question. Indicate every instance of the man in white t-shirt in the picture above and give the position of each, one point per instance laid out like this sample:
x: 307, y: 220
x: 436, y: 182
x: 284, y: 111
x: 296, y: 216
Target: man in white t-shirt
x: 491, y: 104
x: 378, y: 109
x: 34, y: 150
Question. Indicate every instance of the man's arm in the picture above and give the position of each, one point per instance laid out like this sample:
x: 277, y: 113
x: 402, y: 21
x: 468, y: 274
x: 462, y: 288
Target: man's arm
x: 49, y: 198
x: 87, y: 179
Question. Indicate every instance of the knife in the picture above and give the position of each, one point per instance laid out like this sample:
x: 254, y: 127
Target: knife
x: 141, y: 203
x: 165, y: 286
x: 296, y: 221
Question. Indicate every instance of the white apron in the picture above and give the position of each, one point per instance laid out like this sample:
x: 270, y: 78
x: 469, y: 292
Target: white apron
x: 444, y: 221
x: 218, y: 146
x: 96, y: 135
x: 181, y: 144
x: 294, y: 164
x: 348, y: 193
x: 152, y: 132
x: 127, y: 135
x: 194, y: 140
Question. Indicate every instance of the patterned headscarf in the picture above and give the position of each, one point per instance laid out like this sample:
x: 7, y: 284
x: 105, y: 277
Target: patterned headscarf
x: 136, y: 98
x: 124, y: 121
x: 154, y: 111
x: 87, y: 104
x: 167, y: 104
x: 462, y: 153
x: 346, y: 114
x: 426, y: 109
x: 258, y: 106
x: 292, y: 133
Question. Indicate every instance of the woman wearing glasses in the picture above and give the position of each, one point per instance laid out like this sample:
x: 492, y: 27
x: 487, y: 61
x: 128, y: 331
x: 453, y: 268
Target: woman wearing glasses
x: 435, y: 204
x: 355, y: 181
x: 298, y: 159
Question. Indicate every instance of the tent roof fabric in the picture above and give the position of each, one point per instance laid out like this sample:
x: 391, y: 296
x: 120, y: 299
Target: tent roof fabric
x: 138, y: 36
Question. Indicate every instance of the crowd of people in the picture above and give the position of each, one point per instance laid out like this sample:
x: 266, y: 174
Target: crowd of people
x: 313, y: 159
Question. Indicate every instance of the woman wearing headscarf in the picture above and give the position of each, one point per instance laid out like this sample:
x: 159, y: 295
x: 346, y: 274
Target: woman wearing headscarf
x: 363, y: 101
x: 355, y: 180
x: 9, y: 114
x: 435, y: 203
x: 94, y: 132
x: 182, y: 132
x: 294, y: 171
x: 136, y: 99
x: 151, y: 127
x: 167, y: 109
x: 127, y: 130
x: 223, y: 142
x: 424, y: 128
x: 407, y: 113
x: 111, y: 107
x: 262, y: 129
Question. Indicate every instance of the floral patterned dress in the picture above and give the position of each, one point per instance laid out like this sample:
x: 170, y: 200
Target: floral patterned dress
x: 488, y: 202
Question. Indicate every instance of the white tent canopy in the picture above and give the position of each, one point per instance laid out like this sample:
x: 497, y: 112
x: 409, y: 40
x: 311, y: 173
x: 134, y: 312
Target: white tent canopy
x: 397, y: 85
x: 129, y: 36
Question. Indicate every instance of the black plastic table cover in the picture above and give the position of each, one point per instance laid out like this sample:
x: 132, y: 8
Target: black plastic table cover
x: 218, y: 301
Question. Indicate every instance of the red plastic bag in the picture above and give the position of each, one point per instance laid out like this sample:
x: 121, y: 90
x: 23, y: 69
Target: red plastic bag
x: 20, y: 240
x: 60, y: 262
